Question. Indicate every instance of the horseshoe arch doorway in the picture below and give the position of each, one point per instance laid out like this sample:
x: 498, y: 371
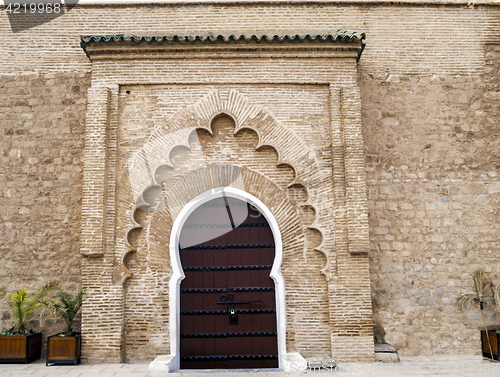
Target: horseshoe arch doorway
x: 230, y: 297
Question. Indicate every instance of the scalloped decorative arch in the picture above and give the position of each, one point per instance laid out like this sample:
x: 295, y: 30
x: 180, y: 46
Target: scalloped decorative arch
x: 291, y: 150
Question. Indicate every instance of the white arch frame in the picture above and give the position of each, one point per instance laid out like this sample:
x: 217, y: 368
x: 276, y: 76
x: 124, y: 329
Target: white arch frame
x: 178, y: 273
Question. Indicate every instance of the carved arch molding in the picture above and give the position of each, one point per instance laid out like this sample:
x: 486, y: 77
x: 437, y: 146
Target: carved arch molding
x: 150, y: 192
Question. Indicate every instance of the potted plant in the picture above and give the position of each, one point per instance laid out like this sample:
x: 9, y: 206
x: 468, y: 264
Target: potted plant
x: 65, y: 347
x: 490, y: 339
x: 20, y: 344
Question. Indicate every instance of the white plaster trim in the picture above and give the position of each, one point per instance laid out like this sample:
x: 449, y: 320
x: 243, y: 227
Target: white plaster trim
x: 178, y: 273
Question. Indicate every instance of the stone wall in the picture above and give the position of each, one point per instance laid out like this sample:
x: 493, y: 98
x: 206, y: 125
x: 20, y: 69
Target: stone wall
x: 42, y: 124
x: 434, y: 193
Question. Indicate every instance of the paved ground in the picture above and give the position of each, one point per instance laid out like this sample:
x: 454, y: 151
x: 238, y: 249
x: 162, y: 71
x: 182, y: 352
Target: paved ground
x: 443, y: 366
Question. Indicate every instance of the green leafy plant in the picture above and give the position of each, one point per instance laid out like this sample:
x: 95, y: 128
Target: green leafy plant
x: 67, y: 306
x: 8, y: 331
x: 24, y: 305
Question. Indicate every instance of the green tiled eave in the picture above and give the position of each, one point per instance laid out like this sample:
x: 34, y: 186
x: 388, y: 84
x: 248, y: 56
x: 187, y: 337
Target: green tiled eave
x: 331, y: 37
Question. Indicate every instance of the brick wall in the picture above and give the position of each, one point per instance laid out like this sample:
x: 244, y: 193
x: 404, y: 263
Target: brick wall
x: 429, y: 95
x: 402, y: 39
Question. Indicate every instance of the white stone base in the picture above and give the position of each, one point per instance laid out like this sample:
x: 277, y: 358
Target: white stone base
x: 162, y: 364
x: 294, y: 362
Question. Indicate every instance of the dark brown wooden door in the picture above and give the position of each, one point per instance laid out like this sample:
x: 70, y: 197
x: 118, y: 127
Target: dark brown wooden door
x: 227, y: 250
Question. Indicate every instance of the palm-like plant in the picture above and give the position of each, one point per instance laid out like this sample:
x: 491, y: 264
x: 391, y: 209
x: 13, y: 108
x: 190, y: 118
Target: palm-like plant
x: 23, y: 307
x: 67, y: 307
x: 465, y: 300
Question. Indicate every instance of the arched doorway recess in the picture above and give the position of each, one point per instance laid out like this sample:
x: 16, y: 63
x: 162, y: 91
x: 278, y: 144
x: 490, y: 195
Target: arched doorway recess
x: 227, y: 307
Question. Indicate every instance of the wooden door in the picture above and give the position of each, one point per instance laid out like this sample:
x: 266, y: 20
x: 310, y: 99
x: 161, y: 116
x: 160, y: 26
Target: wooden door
x: 227, y: 300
